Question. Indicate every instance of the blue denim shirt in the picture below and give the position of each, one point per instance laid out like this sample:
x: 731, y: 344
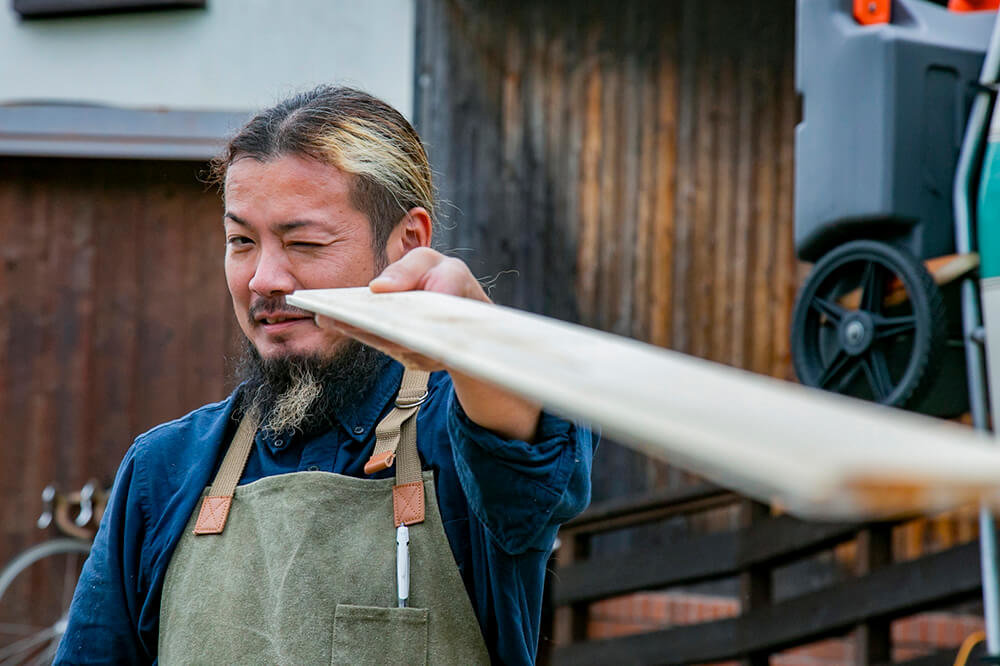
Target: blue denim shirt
x: 501, y: 503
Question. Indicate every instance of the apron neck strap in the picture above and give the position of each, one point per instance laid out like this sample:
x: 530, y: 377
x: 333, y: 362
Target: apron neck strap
x: 215, y: 507
x: 395, y: 442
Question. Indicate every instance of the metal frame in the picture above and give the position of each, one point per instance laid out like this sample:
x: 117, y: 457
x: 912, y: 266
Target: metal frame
x: 65, y: 130
x: 972, y: 322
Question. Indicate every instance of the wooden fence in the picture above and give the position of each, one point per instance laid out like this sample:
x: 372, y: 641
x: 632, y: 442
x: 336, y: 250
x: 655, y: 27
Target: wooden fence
x: 881, y: 589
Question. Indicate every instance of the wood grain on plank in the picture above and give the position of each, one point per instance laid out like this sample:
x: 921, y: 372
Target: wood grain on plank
x: 813, y: 453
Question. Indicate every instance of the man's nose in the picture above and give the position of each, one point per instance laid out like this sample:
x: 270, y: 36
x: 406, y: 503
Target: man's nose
x: 273, y: 275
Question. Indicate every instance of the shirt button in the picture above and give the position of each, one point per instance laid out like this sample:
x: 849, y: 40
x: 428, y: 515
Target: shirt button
x: 313, y: 468
x: 359, y: 430
x: 278, y: 443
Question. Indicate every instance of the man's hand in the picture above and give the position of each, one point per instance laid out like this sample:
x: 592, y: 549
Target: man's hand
x: 422, y: 268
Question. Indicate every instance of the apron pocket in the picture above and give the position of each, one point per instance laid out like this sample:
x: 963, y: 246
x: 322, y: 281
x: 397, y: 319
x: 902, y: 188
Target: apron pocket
x: 374, y: 635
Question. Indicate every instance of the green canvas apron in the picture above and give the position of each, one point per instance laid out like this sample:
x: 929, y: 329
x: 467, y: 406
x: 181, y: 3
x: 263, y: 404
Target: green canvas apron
x: 300, y: 568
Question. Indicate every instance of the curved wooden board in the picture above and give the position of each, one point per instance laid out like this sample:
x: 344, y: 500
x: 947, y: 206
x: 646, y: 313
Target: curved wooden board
x: 813, y: 453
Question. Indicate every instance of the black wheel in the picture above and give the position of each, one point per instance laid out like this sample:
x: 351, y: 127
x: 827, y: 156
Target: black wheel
x: 870, y: 323
x: 36, y: 588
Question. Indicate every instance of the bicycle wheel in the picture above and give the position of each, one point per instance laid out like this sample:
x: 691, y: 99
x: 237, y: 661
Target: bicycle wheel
x: 36, y: 588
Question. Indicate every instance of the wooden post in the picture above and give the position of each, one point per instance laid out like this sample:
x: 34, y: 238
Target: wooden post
x: 571, y: 621
x: 755, y: 583
x: 873, y: 639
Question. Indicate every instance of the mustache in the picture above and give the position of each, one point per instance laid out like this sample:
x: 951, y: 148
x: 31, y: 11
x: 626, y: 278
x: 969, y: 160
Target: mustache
x: 266, y: 305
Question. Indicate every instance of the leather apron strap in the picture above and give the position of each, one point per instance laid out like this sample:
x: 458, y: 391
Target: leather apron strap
x: 215, y: 506
x: 396, y: 432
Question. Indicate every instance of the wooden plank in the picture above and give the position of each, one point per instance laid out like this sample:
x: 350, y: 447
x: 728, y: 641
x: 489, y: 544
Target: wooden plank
x: 764, y: 206
x: 814, y: 453
x: 117, y: 386
x: 630, y: 128
x: 701, y: 278
x: 769, y: 541
x: 943, y: 269
x: 74, y: 282
x: 645, y: 243
x: 609, y: 288
x: 895, y: 591
x: 785, y: 286
x: 743, y: 193
x: 588, y: 185
x: 685, y: 193
x: 665, y: 205
x: 725, y: 21
x: 622, y: 512
x: 11, y: 251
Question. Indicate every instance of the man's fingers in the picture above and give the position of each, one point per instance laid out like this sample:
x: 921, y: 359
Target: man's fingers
x: 322, y: 321
x: 407, y: 357
x: 452, y: 276
x: 426, y: 269
x: 419, y: 269
x: 408, y: 272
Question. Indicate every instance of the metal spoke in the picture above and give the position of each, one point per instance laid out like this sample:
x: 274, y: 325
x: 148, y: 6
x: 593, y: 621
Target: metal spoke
x: 873, y: 286
x: 832, y: 311
x: 848, y: 377
x: 877, y: 374
x: 839, y: 362
x: 889, y: 327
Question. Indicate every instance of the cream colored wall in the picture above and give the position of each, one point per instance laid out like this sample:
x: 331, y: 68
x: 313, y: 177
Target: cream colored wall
x: 234, y: 55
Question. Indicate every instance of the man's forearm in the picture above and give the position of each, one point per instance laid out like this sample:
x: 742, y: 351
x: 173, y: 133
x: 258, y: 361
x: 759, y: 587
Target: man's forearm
x: 508, y: 415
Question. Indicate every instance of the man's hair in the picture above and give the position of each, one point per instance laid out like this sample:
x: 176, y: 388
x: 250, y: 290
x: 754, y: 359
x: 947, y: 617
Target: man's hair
x: 353, y: 131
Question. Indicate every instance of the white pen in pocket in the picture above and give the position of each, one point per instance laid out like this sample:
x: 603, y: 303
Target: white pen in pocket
x: 402, y: 564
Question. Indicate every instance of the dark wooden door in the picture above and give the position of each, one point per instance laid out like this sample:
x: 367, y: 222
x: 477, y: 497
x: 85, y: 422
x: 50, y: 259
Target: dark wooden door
x: 114, y: 316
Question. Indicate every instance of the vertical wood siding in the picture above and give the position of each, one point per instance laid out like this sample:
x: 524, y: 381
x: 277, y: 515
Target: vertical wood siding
x: 115, y: 317
x: 631, y: 161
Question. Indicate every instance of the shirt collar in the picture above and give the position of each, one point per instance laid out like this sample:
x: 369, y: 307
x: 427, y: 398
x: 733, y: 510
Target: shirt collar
x: 360, y: 417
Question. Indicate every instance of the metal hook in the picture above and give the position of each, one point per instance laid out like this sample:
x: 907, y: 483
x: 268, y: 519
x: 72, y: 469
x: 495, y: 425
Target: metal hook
x: 48, y: 497
x: 86, y: 505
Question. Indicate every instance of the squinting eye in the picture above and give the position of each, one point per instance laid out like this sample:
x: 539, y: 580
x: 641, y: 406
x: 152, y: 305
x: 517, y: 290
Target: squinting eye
x: 237, y: 241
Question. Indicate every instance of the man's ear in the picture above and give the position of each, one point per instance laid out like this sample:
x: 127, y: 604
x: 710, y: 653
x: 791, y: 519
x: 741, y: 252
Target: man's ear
x: 413, y: 230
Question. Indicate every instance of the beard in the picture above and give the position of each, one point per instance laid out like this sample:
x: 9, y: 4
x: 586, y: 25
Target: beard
x: 304, y: 393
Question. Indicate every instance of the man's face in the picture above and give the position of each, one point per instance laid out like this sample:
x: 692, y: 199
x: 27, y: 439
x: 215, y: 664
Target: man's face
x: 289, y: 225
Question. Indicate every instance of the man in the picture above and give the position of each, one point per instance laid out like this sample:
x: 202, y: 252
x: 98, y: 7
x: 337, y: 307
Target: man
x: 298, y: 563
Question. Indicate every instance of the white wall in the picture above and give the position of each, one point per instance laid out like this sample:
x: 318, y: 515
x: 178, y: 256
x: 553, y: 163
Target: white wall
x: 235, y: 55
